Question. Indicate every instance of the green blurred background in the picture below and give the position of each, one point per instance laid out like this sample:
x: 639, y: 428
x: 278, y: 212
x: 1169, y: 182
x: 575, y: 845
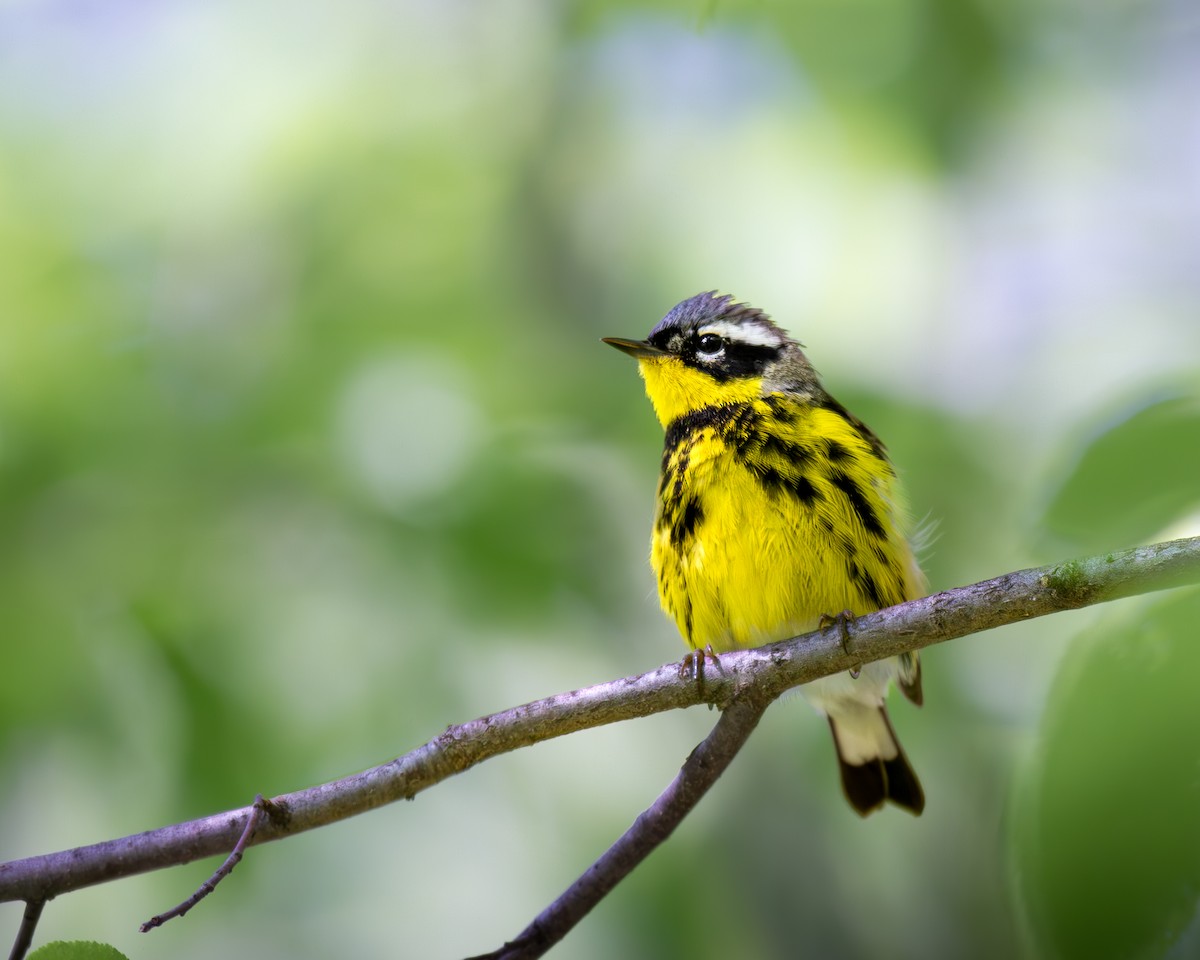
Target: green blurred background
x: 308, y: 448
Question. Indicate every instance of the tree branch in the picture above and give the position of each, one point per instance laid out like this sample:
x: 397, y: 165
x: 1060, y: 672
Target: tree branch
x: 700, y: 771
x: 260, y: 809
x: 29, y: 922
x: 769, y: 670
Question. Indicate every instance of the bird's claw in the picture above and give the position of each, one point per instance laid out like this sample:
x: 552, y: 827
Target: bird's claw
x: 691, y: 667
x: 842, y: 622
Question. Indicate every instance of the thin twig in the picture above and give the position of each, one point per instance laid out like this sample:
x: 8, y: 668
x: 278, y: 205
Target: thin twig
x: 700, y: 771
x: 774, y: 668
x: 29, y: 922
x: 257, y: 811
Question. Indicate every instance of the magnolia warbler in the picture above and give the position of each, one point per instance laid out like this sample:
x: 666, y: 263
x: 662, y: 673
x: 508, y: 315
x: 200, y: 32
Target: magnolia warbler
x: 777, y: 508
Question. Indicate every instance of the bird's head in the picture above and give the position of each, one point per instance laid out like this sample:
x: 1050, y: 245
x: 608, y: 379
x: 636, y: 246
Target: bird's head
x: 709, y: 351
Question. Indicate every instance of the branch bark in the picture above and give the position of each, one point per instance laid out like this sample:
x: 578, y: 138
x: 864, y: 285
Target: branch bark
x: 768, y: 671
x: 653, y: 826
x: 29, y: 921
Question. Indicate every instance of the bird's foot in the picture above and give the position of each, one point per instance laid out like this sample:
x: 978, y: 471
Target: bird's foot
x: 692, y: 666
x: 842, y: 622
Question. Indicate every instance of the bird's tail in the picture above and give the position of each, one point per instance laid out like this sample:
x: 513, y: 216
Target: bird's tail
x: 874, y: 767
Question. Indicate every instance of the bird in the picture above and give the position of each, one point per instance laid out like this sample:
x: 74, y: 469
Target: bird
x: 778, y: 510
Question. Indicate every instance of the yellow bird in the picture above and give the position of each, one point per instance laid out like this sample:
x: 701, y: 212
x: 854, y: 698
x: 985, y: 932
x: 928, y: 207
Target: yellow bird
x: 777, y: 508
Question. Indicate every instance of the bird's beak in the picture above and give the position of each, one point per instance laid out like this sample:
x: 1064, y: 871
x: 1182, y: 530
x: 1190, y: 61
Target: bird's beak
x: 639, y: 349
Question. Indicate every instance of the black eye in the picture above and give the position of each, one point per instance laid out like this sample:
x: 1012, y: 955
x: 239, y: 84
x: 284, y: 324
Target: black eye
x: 710, y: 345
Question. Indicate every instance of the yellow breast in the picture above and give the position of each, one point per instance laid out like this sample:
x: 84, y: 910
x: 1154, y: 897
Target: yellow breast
x: 772, y: 512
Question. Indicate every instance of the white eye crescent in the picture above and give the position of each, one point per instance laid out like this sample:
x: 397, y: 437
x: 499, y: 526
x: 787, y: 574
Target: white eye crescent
x: 710, y: 345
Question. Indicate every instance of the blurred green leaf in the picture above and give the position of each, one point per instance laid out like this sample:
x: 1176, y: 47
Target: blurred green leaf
x: 77, y: 950
x: 1133, y: 479
x: 1107, y: 834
